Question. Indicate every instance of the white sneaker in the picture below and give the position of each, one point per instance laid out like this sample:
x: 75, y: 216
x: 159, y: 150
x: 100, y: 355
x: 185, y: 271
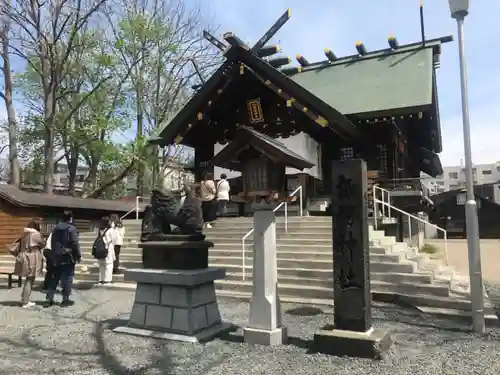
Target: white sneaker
x: 209, y: 225
x: 29, y: 305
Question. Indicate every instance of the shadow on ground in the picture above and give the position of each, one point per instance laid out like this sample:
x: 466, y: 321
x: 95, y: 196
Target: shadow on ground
x: 27, y: 344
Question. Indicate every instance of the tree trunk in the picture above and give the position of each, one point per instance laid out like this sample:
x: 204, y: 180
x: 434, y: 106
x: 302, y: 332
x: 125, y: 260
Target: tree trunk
x: 91, y: 180
x: 48, y: 184
x: 72, y: 161
x: 49, y: 118
x: 15, y: 170
x: 139, y: 182
x: 102, y: 188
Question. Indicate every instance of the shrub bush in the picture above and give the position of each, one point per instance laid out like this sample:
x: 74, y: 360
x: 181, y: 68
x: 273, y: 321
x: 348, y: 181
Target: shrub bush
x: 429, y: 249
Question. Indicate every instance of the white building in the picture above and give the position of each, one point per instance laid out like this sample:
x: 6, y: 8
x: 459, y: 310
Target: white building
x: 454, y: 177
x: 175, y: 176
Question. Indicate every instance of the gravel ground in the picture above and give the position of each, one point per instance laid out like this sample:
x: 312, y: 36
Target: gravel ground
x: 78, y: 340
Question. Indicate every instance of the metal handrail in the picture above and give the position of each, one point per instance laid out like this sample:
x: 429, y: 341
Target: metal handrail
x: 445, y: 236
x: 298, y: 190
x: 129, y: 212
x: 136, y: 208
x: 383, y: 192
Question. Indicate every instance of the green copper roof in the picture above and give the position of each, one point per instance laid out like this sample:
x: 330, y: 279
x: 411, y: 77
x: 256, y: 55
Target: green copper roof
x: 382, y: 82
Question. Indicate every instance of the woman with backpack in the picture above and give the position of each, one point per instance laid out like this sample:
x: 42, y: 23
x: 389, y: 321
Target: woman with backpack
x: 103, y: 250
x: 119, y: 235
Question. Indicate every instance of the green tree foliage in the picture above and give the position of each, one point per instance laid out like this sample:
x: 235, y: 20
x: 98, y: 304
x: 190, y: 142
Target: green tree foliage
x: 100, y: 76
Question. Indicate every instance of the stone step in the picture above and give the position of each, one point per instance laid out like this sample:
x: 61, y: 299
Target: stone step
x: 387, y: 263
x: 300, y: 287
x: 317, y: 264
x: 297, y: 273
x: 289, y: 240
x: 280, y: 231
x: 307, y: 290
x: 303, y: 254
x: 219, y: 228
x: 236, y: 245
x: 249, y: 219
x: 327, y: 303
x: 297, y: 282
x: 396, y: 277
x: 132, y: 252
x: 384, y: 241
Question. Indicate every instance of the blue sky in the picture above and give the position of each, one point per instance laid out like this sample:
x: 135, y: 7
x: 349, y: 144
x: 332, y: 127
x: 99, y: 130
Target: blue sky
x: 316, y: 24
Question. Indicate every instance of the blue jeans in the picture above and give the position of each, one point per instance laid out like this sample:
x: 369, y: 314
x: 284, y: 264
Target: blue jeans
x: 65, y: 274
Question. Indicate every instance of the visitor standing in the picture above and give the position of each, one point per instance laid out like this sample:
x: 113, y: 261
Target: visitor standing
x: 119, y: 235
x: 29, y: 259
x: 103, y: 250
x: 208, y: 193
x: 49, y: 267
x: 64, y: 253
x: 223, y: 190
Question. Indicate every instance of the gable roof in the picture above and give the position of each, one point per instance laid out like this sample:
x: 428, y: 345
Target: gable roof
x: 20, y: 198
x: 247, y: 137
x: 384, y: 81
x: 378, y: 81
x: 265, y: 72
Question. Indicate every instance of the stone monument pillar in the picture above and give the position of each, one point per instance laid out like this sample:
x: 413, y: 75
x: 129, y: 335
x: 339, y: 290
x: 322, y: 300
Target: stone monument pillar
x: 264, y: 326
x: 353, y: 333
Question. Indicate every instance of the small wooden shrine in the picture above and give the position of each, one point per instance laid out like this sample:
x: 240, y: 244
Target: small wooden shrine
x: 262, y: 161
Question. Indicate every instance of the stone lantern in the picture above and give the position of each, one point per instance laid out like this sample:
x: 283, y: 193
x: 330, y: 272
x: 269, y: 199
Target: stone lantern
x: 262, y: 162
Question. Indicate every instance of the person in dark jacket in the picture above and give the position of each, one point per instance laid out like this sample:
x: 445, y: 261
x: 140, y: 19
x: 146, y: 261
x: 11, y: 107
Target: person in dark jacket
x: 64, y: 254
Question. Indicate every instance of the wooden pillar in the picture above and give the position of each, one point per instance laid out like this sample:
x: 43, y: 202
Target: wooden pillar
x: 353, y: 334
x: 203, y: 154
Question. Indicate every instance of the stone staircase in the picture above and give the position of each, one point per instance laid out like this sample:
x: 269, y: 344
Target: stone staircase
x: 398, y: 273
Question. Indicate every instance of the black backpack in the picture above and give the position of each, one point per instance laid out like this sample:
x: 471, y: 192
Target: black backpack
x: 99, y: 249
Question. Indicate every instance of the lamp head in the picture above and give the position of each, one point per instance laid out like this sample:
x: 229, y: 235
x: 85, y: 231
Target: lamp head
x: 459, y: 8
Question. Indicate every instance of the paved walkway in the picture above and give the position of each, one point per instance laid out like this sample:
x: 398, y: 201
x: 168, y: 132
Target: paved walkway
x: 78, y: 340
x: 458, y: 257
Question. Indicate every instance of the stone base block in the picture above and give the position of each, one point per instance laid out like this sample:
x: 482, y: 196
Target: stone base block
x: 370, y: 344
x: 198, y: 337
x: 175, y: 304
x: 178, y: 252
x: 277, y: 336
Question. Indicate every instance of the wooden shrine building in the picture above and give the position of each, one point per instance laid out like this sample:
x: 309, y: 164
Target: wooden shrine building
x: 380, y: 105
x: 18, y: 207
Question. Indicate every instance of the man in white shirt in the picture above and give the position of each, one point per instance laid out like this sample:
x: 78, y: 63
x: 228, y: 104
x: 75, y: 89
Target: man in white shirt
x: 223, y: 190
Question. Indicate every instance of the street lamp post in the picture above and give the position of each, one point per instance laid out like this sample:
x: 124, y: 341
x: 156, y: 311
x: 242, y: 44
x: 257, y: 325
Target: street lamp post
x: 459, y: 10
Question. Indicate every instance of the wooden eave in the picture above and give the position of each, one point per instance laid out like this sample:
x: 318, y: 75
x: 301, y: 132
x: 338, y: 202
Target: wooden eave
x: 248, y: 138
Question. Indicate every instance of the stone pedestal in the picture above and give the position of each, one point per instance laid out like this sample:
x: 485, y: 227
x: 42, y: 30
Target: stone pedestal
x: 264, y: 326
x: 176, y: 252
x: 352, y: 334
x: 175, y: 304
